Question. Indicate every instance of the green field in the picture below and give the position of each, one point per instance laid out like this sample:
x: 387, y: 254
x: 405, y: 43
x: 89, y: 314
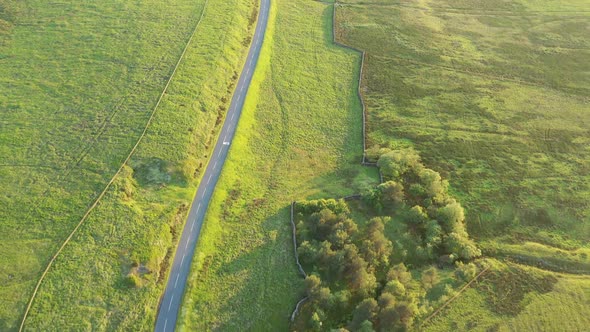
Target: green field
x: 494, y: 95
x: 79, y: 81
x: 502, y: 300
x: 299, y: 137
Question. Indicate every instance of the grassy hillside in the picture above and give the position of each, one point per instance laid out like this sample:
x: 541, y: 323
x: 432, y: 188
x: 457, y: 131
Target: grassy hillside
x: 299, y: 137
x: 79, y: 82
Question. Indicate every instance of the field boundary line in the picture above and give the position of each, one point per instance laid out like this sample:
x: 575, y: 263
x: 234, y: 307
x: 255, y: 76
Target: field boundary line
x: 101, y: 195
x: 455, y: 296
x: 301, y: 270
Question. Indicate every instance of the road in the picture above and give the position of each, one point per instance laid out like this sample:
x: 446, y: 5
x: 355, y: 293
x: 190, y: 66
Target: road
x: 172, y: 299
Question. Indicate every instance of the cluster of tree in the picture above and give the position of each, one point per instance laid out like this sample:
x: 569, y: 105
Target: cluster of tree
x: 352, y: 283
x: 358, y: 280
x: 420, y: 197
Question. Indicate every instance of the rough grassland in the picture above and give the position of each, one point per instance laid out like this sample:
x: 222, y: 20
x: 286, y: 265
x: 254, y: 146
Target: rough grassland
x: 564, y: 308
x: 494, y: 94
x: 78, y: 81
x: 299, y: 137
x: 112, y: 273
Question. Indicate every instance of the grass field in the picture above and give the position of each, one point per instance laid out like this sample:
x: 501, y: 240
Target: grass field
x: 527, y: 307
x: 79, y: 82
x: 495, y: 96
x: 299, y: 137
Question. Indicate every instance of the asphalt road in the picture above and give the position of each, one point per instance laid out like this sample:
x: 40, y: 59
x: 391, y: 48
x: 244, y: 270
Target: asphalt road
x: 172, y: 299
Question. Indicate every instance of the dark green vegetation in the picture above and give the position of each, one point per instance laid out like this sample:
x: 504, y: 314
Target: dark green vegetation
x: 299, y: 137
x: 495, y: 96
x: 78, y: 82
x: 359, y: 278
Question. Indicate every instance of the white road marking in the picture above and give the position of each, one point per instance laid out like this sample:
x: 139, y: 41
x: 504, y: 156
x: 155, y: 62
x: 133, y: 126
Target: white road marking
x: 193, y: 226
x: 182, y: 260
x: 232, y: 117
x: 170, y: 305
x: 248, y: 71
x: 177, y: 276
x: 165, y: 323
x: 242, y: 88
x: 215, y: 165
x: 209, y: 179
x: 219, y: 153
x: 186, y: 245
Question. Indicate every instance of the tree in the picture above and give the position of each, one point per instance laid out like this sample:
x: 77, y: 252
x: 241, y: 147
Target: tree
x: 315, y: 322
x: 366, y: 326
x: 317, y: 294
x: 388, y: 319
x: 400, y: 273
x: 435, y: 187
x: 461, y: 246
x: 387, y: 300
x: 451, y: 217
x: 360, y: 281
x: 417, y: 215
x: 465, y: 272
x: 391, y: 193
x: 307, y: 252
x: 364, y: 311
x: 405, y: 312
x: 430, y: 277
x: 433, y: 234
x: 395, y: 288
x: 395, y: 164
x: 342, y: 232
x: 376, y: 248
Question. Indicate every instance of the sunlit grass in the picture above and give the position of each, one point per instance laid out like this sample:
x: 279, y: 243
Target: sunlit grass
x: 112, y: 273
x: 299, y: 137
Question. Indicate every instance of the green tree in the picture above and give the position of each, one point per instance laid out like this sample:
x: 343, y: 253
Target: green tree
x: 435, y: 187
x: 395, y: 288
x: 395, y: 164
x: 366, y: 326
x: 360, y: 281
x: 391, y: 194
x: 430, y: 277
x: 461, y: 246
x: 400, y: 273
x: 406, y: 312
x: 342, y: 233
x: 364, y: 311
x: 315, y: 322
x: 307, y: 252
x: 376, y: 248
x: 451, y: 217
